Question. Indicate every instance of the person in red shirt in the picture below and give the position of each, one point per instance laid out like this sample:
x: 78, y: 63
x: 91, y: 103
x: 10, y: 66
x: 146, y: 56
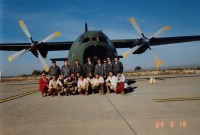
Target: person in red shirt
x: 43, y: 85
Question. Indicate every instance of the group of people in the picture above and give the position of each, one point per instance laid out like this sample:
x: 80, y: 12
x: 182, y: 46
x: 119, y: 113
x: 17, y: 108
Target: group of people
x: 99, y: 78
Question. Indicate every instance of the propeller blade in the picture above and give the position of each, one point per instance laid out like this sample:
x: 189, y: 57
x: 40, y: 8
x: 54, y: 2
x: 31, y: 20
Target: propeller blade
x: 24, y: 28
x: 137, y: 28
x: 166, y: 28
x: 157, y: 60
x: 130, y: 51
x: 17, y: 54
x: 50, y: 37
x: 44, y: 64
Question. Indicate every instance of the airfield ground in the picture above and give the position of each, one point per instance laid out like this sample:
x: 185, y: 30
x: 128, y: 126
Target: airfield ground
x: 137, y: 112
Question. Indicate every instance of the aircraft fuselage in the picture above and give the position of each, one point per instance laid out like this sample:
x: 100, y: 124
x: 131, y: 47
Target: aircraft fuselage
x: 93, y: 44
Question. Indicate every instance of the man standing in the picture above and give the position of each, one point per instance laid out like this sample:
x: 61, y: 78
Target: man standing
x: 105, y: 69
x: 89, y: 66
x: 77, y: 67
x: 54, y: 70
x: 109, y: 66
x: 117, y: 66
x: 111, y: 82
x: 66, y: 69
x: 99, y: 68
x: 82, y: 85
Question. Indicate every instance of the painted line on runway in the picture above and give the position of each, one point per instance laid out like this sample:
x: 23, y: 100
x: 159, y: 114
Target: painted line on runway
x: 121, y: 116
x: 18, y: 96
x: 177, y: 99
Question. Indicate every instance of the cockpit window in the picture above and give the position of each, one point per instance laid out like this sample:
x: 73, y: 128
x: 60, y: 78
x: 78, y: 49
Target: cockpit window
x: 102, y: 39
x: 78, y: 43
x: 94, y: 39
x: 86, y: 40
x: 109, y: 42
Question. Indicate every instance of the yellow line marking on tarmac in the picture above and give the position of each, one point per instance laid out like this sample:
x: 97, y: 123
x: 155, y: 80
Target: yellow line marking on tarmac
x: 177, y: 99
x: 18, y: 96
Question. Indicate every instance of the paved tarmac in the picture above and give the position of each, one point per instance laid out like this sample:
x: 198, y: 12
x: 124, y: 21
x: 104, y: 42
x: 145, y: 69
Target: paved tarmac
x: 135, y: 113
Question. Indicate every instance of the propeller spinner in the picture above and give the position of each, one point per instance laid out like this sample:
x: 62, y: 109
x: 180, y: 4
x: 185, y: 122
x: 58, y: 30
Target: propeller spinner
x: 145, y: 41
x: 33, y: 44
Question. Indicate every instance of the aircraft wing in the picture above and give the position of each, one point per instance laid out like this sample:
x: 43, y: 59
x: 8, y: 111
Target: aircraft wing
x: 49, y: 46
x: 127, y: 43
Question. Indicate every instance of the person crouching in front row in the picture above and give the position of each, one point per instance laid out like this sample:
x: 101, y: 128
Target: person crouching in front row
x: 43, y: 85
x: 60, y: 83
x: 111, y: 82
x: 99, y: 83
x: 82, y: 85
x: 120, y: 83
x: 91, y: 81
x: 53, y: 87
x: 69, y: 89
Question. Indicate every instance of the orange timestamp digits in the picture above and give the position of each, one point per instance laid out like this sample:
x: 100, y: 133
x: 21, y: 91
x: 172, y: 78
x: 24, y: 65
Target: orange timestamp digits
x: 182, y: 124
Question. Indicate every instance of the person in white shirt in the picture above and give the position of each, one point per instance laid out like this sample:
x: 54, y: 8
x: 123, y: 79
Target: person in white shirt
x: 120, y: 83
x: 83, y: 85
x: 60, y: 83
x: 92, y: 81
x: 53, y: 87
x: 111, y: 82
x: 99, y: 83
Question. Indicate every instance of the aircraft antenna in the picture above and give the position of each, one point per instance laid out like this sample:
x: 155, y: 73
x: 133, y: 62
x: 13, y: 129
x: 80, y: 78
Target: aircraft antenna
x: 86, y: 28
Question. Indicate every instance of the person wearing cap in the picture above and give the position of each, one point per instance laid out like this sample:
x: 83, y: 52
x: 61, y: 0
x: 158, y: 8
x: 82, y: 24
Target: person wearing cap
x: 89, y: 67
x: 43, y: 85
x: 66, y: 69
x: 54, y: 70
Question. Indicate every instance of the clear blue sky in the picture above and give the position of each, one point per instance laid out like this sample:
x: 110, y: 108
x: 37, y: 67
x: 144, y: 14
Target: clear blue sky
x: 43, y: 17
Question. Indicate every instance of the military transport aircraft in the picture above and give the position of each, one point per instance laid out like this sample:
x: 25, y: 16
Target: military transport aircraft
x: 94, y: 44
